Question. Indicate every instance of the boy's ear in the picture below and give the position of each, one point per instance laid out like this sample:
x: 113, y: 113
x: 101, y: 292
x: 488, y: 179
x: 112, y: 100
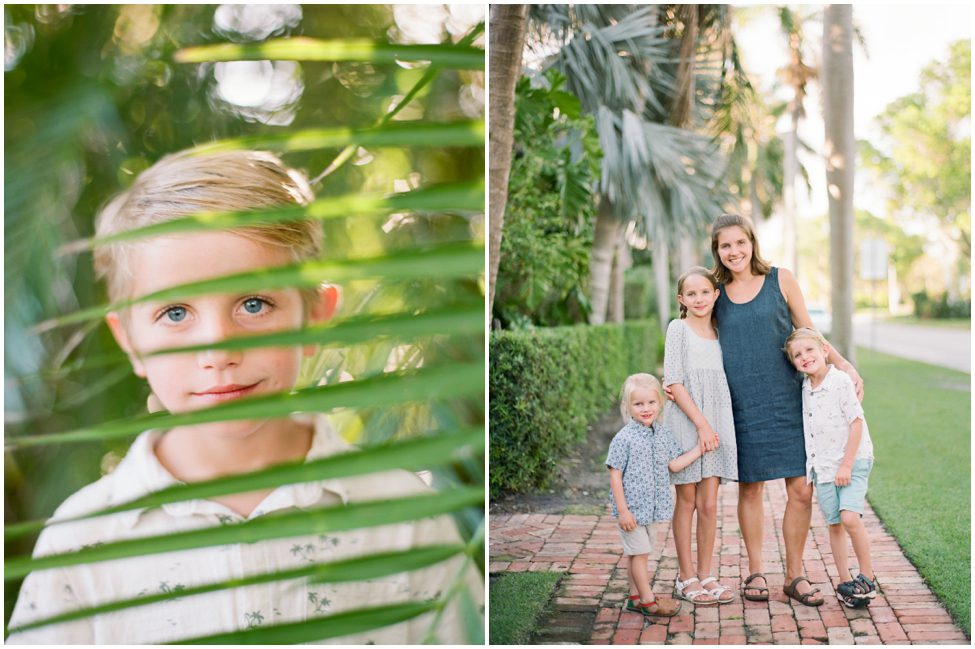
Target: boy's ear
x: 326, y: 303
x: 323, y: 308
x: 115, y: 325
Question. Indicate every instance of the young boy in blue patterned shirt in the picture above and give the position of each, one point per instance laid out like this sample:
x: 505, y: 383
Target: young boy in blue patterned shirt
x: 640, y: 456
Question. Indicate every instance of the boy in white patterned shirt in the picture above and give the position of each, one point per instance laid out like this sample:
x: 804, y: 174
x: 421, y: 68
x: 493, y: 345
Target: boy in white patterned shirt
x: 177, y: 186
x: 839, y: 456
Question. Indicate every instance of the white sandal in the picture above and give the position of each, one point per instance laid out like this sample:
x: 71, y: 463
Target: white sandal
x: 681, y: 592
x: 718, y: 590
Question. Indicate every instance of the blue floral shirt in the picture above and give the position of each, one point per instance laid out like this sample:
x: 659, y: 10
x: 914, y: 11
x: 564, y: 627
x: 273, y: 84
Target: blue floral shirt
x: 642, y: 454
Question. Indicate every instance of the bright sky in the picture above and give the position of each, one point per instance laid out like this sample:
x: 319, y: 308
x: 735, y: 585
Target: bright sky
x: 900, y: 41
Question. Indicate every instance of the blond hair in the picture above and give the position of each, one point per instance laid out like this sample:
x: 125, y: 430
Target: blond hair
x: 632, y: 382
x: 799, y: 334
x: 695, y: 270
x: 759, y: 265
x: 185, y: 183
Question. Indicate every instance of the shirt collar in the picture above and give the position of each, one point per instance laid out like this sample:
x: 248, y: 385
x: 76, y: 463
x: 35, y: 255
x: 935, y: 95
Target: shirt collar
x: 807, y: 382
x: 140, y: 473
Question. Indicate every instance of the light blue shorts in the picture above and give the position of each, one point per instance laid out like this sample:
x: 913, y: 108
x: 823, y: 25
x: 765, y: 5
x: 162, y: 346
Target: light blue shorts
x: 833, y: 499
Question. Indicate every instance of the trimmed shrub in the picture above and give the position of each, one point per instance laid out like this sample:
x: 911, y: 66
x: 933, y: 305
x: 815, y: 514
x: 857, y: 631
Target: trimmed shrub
x: 547, y: 384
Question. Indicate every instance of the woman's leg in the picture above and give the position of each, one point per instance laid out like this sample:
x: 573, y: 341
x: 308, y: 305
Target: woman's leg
x: 683, y: 513
x: 795, y: 527
x: 751, y: 514
x: 707, y: 522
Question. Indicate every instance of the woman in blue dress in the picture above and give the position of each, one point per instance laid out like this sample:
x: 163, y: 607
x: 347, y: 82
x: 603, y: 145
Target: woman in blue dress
x: 758, y: 307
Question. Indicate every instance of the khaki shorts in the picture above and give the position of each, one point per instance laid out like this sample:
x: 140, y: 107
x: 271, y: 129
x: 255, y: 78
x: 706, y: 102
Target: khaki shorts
x: 641, y: 539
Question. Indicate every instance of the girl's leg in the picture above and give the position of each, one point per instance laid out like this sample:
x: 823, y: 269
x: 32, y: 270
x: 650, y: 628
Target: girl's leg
x: 707, y: 522
x: 795, y: 527
x: 639, y: 580
x: 750, y: 518
x: 683, y: 513
x: 837, y: 544
x: 853, y: 525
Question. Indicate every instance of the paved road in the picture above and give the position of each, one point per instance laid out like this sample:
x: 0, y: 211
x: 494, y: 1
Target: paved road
x: 942, y: 346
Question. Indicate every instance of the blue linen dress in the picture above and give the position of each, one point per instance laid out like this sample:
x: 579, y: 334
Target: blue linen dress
x: 766, y: 390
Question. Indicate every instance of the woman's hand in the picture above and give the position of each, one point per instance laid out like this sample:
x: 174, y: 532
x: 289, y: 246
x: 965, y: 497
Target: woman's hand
x: 709, y: 438
x: 857, y: 380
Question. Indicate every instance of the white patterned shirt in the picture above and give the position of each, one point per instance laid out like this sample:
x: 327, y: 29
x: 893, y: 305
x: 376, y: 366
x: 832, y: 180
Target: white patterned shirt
x: 57, y: 590
x: 827, y: 412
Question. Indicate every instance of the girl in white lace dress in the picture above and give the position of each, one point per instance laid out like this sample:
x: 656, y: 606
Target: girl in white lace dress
x: 700, y: 414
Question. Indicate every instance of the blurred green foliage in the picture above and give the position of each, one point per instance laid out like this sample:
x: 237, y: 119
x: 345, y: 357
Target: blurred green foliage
x: 93, y: 96
x: 548, y: 221
x: 545, y: 389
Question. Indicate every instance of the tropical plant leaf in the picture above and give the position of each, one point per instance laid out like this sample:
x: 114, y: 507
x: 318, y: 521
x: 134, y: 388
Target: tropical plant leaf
x: 319, y: 520
x: 463, y: 319
x: 321, y: 628
x: 445, y: 261
x: 300, y: 48
x: 448, y: 197
x: 466, y: 133
x: 473, y: 625
x: 413, y: 454
x: 433, y: 382
x: 357, y: 569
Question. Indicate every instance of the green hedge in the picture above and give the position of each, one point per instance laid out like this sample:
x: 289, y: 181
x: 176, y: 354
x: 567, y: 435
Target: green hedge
x: 547, y: 384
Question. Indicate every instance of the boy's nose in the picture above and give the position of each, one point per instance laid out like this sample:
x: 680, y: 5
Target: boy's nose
x: 218, y: 358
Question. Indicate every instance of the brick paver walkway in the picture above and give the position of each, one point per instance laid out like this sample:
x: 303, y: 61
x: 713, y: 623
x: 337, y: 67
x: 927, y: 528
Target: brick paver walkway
x: 588, y: 605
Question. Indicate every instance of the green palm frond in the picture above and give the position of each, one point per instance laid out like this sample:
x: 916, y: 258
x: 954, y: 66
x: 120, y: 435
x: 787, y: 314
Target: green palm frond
x: 311, y: 49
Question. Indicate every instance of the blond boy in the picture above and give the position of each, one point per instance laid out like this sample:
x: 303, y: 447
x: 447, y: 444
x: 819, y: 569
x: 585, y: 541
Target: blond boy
x: 176, y: 186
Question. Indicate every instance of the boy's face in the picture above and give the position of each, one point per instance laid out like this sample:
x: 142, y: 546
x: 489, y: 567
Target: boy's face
x: 644, y: 405
x: 808, y: 355
x: 194, y: 380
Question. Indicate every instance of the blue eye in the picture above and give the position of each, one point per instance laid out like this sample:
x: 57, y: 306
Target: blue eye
x: 175, y: 313
x: 254, y: 305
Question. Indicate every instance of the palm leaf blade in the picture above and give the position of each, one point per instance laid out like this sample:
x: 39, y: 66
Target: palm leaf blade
x: 273, y: 526
x: 301, y: 48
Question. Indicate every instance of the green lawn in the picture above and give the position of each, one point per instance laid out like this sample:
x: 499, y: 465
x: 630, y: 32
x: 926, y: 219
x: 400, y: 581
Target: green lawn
x: 517, y: 599
x: 920, y: 424
x: 946, y: 323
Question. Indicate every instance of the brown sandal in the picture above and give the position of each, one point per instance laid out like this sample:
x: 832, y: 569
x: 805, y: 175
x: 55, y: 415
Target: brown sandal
x: 660, y: 607
x: 762, y: 590
x: 803, y: 598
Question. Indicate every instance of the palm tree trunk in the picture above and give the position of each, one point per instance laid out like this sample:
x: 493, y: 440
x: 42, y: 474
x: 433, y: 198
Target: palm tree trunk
x: 604, y: 243
x: 507, y: 40
x: 661, y: 276
x: 790, y: 256
x: 621, y: 261
x: 840, y: 157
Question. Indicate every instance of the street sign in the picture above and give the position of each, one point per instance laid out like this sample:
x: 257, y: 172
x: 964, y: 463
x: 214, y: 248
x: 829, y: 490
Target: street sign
x: 873, y: 259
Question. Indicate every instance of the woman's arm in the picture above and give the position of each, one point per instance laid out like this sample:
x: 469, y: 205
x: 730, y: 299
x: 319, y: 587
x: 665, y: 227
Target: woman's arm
x: 709, y: 438
x: 800, y: 318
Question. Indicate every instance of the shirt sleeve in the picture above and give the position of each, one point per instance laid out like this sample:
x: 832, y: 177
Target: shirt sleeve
x: 671, y: 447
x: 434, y: 581
x: 46, y: 593
x: 619, y: 453
x: 674, y: 360
x: 847, y: 399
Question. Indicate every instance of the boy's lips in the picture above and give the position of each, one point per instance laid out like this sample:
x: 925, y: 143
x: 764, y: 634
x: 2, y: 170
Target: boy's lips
x: 226, y: 392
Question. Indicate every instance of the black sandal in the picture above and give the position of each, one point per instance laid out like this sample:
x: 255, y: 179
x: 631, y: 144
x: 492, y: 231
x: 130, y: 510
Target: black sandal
x: 802, y: 598
x: 762, y: 590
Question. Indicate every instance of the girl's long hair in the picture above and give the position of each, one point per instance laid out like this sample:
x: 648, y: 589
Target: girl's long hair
x: 759, y: 265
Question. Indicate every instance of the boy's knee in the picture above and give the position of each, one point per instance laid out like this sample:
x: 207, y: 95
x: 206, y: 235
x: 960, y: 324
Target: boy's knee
x: 849, y: 519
